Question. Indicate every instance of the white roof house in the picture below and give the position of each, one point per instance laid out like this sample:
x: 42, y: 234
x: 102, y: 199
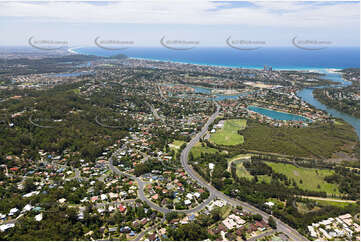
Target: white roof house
x: 113, y: 195
x: 324, y: 232
x: 122, y: 193
x: 219, y: 203
x: 229, y: 223
x: 81, y: 215
x: 39, y: 217
x: 219, y: 125
x: 27, y: 208
x: 345, y: 216
x: 31, y: 194
x: 326, y: 222
x: 13, y: 211
x: 187, y: 202
x: 4, y: 227
x: 316, y: 225
x: 237, y: 219
x: 269, y: 204
x: 101, y: 210
x: 339, y: 220
x: 312, y: 231
x: 340, y: 233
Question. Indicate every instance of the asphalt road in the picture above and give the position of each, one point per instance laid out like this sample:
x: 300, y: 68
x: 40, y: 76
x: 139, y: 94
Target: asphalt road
x: 38, y: 125
x: 281, y: 227
x: 104, y: 125
x: 161, y: 93
x: 154, y: 111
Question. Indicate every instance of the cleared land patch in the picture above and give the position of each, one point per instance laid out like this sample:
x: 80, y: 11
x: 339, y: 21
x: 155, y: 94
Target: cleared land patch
x: 307, y: 178
x: 241, y: 171
x: 332, y: 203
x: 198, y: 149
x: 228, y: 134
x: 329, y: 199
x: 176, y: 144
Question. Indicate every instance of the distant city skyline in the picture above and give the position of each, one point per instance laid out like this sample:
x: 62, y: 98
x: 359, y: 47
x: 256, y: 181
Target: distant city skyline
x: 208, y: 22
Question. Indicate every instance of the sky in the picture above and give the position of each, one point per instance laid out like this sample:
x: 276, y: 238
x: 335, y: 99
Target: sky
x: 209, y: 23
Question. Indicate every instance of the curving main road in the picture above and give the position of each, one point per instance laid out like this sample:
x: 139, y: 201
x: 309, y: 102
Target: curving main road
x: 281, y: 227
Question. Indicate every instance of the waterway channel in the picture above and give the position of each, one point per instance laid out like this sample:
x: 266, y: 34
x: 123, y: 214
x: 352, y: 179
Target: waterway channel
x: 306, y: 95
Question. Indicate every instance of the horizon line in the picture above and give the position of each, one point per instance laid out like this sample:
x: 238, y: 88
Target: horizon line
x: 160, y: 46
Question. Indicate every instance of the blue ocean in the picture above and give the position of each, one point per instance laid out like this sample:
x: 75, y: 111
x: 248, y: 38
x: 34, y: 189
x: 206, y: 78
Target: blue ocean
x: 278, y: 58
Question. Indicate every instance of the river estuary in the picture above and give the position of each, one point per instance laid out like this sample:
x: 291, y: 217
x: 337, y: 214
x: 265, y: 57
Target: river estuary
x: 307, y: 95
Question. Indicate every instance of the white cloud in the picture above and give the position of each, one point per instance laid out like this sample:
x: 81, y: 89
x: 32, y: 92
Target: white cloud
x: 211, y: 23
x: 276, y: 14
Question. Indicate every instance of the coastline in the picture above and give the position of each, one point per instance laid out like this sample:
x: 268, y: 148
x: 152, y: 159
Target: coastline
x: 73, y: 50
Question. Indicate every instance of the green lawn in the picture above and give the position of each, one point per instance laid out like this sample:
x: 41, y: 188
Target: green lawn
x: 332, y: 203
x: 76, y: 90
x: 310, y: 177
x: 303, y: 209
x: 225, y: 211
x: 228, y: 134
x: 242, y: 172
x: 264, y: 178
x: 198, y: 149
x: 176, y: 144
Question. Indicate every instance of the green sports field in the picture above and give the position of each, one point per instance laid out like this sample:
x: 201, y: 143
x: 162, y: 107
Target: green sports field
x: 310, y: 177
x: 198, y: 149
x: 228, y: 135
